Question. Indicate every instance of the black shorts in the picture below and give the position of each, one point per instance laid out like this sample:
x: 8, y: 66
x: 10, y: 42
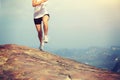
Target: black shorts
x: 39, y: 20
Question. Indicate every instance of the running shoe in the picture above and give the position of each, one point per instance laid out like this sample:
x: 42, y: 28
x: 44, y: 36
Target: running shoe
x: 46, y: 39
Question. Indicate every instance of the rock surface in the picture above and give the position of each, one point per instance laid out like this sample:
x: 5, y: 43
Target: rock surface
x: 24, y: 63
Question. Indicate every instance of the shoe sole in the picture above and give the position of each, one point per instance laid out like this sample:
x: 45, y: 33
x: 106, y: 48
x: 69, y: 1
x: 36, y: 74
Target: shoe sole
x: 45, y: 42
x: 42, y: 50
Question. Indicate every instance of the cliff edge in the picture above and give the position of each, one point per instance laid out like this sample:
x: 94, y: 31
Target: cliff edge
x: 24, y: 63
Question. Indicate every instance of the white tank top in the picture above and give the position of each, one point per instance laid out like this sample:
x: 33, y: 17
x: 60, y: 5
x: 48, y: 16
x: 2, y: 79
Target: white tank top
x: 40, y: 10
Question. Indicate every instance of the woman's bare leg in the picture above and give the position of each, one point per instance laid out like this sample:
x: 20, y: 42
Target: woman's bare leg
x: 39, y: 30
x: 45, y: 26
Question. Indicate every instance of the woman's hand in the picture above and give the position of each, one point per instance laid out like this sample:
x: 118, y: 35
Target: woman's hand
x: 44, y: 1
x: 36, y: 3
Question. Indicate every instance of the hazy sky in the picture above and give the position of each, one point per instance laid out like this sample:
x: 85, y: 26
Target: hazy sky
x: 72, y: 24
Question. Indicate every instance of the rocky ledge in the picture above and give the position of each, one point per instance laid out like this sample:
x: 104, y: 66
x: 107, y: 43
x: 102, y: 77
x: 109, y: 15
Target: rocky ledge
x: 24, y: 63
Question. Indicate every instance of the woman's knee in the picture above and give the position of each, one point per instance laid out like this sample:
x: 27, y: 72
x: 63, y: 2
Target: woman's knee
x: 38, y: 27
x: 45, y: 18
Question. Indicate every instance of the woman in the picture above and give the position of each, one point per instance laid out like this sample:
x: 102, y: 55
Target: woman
x: 41, y: 15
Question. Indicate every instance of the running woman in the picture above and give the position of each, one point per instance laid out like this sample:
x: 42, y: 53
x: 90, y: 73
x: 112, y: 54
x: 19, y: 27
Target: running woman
x: 41, y: 17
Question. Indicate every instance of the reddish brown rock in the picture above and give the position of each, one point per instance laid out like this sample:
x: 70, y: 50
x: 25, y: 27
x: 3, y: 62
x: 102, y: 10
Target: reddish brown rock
x: 23, y: 63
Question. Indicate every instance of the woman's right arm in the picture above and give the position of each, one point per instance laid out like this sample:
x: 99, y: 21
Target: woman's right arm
x: 36, y: 3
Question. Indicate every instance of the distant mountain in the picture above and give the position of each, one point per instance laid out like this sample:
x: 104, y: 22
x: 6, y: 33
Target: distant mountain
x: 96, y: 56
x: 116, y: 68
x: 116, y: 51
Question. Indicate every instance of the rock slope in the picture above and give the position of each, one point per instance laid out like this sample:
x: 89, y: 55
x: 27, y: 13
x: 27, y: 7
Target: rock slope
x: 24, y: 63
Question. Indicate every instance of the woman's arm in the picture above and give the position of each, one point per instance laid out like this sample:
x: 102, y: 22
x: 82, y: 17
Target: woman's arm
x: 36, y: 3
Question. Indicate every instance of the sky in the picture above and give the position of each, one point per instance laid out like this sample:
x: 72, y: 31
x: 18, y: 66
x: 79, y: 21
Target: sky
x: 72, y: 24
